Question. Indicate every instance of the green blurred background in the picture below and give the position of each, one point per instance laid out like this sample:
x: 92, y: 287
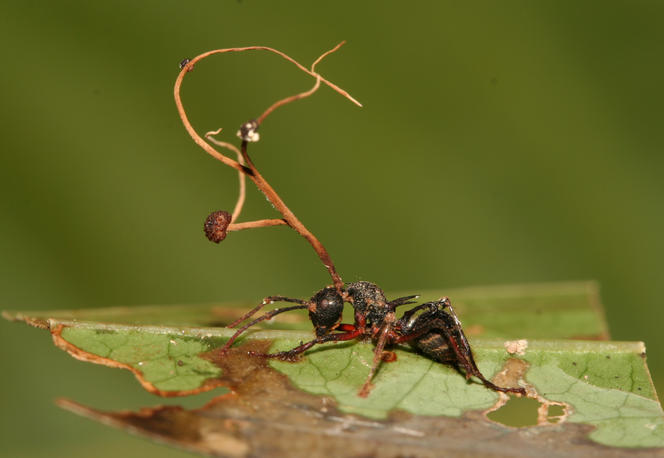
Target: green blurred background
x: 500, y: 142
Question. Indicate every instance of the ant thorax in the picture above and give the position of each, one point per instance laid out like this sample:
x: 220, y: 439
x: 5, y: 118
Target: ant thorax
x: 369, y: 302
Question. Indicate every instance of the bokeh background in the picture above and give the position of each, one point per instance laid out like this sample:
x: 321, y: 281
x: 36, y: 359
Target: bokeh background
x: 500, y: 142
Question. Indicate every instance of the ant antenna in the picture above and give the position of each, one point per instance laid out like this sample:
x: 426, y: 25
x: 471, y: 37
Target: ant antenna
x: 263, y: 317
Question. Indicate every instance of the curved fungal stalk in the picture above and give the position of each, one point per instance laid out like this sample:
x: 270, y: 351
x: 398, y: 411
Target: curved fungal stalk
x: 241, y: 176
x: 222, y: 221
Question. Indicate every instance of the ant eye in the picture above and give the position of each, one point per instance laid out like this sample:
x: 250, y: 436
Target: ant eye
x: 216, y: 224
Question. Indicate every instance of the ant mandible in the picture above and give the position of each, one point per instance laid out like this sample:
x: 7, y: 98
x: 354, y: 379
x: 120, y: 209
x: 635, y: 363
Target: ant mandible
x: 431, y: 328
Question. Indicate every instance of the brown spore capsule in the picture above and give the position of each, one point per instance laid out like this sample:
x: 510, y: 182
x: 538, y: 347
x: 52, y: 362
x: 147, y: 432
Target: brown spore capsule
x: 216, y: 225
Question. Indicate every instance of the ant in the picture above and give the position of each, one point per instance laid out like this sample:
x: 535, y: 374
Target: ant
x: 435, y: 331
x: 432, y: 328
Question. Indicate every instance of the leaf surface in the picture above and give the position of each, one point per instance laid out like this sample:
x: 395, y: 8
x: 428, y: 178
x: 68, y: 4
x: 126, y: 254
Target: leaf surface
x: 589, y: 397
x: 543, y: 311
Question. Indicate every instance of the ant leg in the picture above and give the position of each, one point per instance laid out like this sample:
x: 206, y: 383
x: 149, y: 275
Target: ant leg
x: 466, y: 360
x: 408, y: 314
x: 456, y: 348
x: 465, y: 357
x: 406, y: 329
x: 290, y: 355
x: 266, y: 301
x: 378, y: 357
x: 411, y: 336
x: 263, y: 317
x: 403, y: 300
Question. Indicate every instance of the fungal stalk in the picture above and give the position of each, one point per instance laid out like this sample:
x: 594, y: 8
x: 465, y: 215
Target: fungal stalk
x: 219, y: 223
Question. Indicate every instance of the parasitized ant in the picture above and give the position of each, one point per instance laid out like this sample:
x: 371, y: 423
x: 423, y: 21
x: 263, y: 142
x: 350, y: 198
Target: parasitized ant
x: 431, y: 328
x: 435, y: 331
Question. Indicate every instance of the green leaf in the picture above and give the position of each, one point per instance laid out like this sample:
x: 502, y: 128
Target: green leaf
x: 578, y: 389
x: 605, y: 384
x: 165, y: 362
x: 543, y: 311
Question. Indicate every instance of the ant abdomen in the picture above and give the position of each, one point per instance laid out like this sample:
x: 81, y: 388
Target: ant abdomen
x: 435, y: 346
x: 325, y: 310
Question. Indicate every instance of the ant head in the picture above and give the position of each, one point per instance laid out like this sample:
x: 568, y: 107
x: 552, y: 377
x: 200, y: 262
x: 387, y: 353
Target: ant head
x: 325, y: 310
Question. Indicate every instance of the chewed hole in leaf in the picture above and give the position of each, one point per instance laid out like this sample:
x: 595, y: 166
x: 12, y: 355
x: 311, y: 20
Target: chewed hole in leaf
x: 517, y: 412
x: 556, y: 413
x: 520, y: 412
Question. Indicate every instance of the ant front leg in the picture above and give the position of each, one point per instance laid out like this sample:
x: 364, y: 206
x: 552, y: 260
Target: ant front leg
x: 351, y: 332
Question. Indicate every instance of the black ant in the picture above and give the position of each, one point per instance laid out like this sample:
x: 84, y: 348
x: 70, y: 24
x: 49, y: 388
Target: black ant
x: 435, y: 331
x: 431, y: 328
